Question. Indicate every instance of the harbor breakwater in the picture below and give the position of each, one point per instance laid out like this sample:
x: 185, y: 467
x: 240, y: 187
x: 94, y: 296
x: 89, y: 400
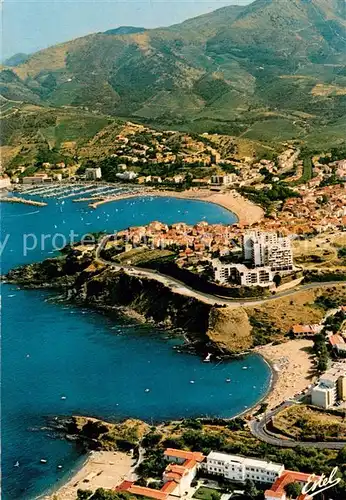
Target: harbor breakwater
x: 24, y: 201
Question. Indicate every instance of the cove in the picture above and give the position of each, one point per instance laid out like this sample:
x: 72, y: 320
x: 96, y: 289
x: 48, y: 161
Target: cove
x: 101, y: 365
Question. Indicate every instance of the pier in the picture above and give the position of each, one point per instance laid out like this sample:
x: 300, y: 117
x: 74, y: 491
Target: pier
x: 14, y: 199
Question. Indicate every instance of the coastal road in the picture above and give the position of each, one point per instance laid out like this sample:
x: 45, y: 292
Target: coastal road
x: 259, y: 429
x: 180, y: 287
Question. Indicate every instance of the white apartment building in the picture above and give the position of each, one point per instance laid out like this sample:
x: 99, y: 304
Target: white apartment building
x: 323, y: 396
x: 222, y: 180
x: 267, y: 249
x: 331, y: 387
x: 127, y: 176
x: 236, y: 468
x: 241, y: 275
x: 92, y: 174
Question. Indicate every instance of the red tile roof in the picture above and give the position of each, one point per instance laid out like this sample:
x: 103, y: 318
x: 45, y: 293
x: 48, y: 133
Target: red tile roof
x: 169, y: 487
x: 187, y: 455
x: 336, y: 339
x: 277, y: 490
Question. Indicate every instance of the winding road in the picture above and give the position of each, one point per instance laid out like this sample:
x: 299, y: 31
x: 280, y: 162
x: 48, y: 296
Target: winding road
x: 180, y: 287
x: 257, y: 427
x: 259, y: 430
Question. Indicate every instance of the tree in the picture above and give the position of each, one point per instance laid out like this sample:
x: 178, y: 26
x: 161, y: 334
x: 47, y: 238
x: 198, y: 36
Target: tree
x: 250, y: 489
x: 277, y: 279
x: 341, y: 458
x: 215, y: 495
x: 293, y: 490
x: 83, y: 494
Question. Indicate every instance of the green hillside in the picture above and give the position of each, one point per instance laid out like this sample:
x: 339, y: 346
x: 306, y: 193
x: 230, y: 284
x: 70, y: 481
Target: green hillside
x: 228, y: 70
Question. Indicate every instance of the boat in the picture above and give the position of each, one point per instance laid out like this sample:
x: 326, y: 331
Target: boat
x: 43, y: 461
x: 207, y: 358
x: 63, y: 397
x: 192, y: 381
x: 59, y: 466
x: 245, y: 367
x: 16, y: 464
x: 147, y: 390
x: 228, y: 380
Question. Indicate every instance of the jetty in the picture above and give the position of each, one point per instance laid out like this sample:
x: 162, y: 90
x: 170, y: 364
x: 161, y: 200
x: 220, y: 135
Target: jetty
x: 14, y: 199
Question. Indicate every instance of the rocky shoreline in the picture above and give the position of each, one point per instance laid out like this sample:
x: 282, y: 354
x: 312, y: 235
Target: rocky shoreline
x: 79, y: 280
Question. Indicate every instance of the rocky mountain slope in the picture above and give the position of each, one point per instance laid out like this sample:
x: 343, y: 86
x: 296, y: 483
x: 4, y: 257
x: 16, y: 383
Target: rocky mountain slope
x: 281, y: 62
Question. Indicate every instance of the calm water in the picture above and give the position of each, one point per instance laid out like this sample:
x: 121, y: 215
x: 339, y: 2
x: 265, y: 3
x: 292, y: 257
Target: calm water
x: 101, y: 365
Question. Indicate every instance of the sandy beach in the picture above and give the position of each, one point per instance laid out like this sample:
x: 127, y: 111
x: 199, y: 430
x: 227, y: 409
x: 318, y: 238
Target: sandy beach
x: 247, y: 212
x: 103, y: 469
x: 293, y: 366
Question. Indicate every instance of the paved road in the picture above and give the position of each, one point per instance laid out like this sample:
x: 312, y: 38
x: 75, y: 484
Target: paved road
x: 182, y: 288
x: 259, y: 430
x: 132, y: 475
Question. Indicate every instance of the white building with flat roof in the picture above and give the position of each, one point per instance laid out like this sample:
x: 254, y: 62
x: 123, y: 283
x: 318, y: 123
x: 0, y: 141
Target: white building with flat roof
x: 331, y: 387
x: 239, y: 274
x: 268, y: 249
x: 323, y: 396
x: 222, y: 180
x: 237, y: 468
x: 127, y: 176
x: 92, y: 174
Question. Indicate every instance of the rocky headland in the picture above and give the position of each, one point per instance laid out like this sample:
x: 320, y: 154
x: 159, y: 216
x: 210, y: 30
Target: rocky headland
x: 79, y: 278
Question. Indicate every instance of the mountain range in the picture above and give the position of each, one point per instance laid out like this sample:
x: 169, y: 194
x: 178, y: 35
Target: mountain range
x: 271, y: 70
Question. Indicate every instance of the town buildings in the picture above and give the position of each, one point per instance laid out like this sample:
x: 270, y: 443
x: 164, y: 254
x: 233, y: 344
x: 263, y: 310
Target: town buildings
x: 37, y: 179
x: 277, y: 490
x: 237, y: 468
x: 183, y: 467
x: 268, y: 249
x: 331, y: 387
x: 266, y: 254
x: 222, y: 180
x: 93, y: 174
x: 239, y: 274
x: 128, y: 175
x: 177, y: 477
x: 306, y: 331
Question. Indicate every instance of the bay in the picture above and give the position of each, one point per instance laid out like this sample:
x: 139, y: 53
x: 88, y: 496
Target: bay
x: 101, y: 365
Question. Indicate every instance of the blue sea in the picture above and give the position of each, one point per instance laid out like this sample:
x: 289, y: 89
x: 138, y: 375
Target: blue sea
x: 101, y: 365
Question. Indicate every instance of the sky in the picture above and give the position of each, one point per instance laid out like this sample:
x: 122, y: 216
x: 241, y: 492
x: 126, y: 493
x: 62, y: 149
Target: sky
x: 31, y: 25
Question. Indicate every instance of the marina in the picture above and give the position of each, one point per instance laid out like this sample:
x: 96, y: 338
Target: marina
x: 82, y: 191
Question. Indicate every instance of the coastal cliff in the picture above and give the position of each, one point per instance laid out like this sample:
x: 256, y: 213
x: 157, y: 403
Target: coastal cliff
x: 83, y: 281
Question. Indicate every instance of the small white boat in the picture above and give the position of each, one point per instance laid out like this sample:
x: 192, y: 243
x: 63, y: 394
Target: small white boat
x: 147, y: 390
x: 228, y: 380
x: 16, y: 464
x: 245, y: 367
x: 63, y: 397
x: 192, y: 381
x: 43, y: 461
x: 207, y: 358
x: 59, y: 466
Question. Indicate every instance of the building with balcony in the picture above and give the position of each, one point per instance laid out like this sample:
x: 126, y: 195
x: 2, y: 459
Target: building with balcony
x: 239, y: 274
x: 92, y: 174
x: 331, y: 387
x: 237, y: 468
x: 267, y: 249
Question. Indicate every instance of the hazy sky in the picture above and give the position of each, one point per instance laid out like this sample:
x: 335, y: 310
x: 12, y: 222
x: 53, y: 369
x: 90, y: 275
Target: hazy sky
x: 30, y: 25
